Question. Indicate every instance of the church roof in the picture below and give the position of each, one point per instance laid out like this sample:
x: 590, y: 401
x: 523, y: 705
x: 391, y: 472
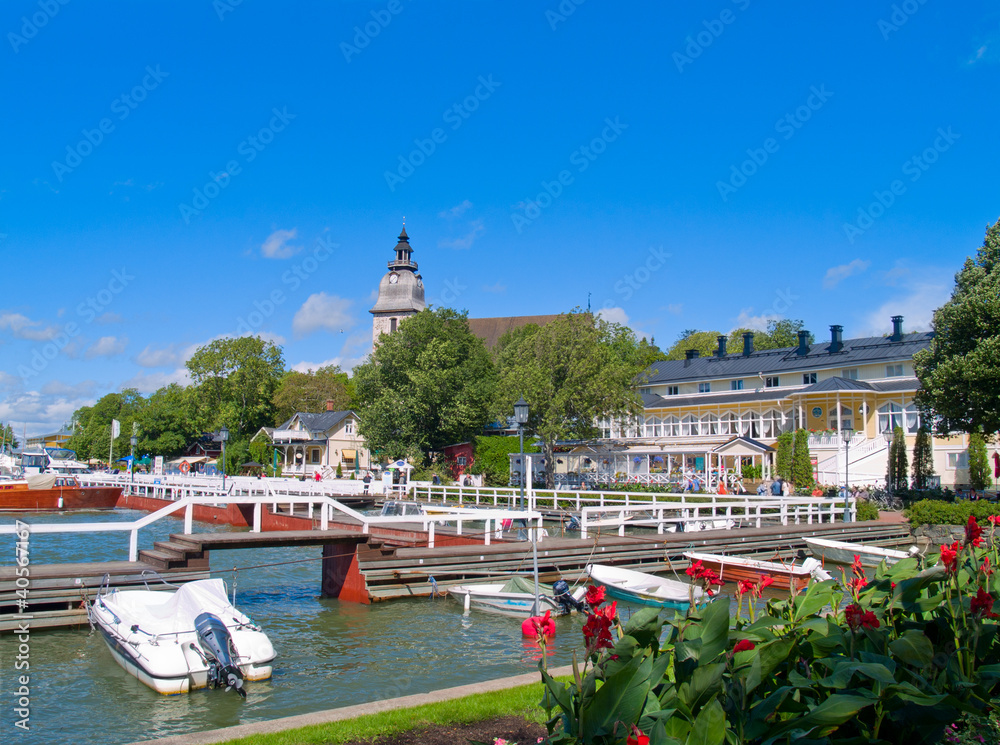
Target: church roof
x: 491, y: 329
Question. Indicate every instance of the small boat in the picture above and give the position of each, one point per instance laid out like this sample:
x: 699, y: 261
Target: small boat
x: 841, y: 552
x: 516, y: 597
x: 51, y: 491
x: 735, y: 568
x: 177, y: 641
x: 645, y: 589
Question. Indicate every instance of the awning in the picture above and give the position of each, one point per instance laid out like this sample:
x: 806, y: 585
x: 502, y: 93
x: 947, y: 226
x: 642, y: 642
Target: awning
x: 348, y: 454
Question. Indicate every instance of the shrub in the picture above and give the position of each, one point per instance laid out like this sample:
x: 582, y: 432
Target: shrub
x: 894, y: 659
x: 340, y: 472
x: 867, y: 511
x: 935, y: 512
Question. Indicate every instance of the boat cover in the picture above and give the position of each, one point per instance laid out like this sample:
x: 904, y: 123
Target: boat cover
x: 524, y: 584
x: 42, y: 480
x: 167, y: 613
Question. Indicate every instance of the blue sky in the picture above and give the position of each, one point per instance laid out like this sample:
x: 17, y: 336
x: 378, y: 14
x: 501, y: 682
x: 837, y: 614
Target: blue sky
x: 172, y: 170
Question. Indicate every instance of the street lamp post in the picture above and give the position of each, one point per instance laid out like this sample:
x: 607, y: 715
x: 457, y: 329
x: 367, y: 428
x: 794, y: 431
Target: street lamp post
x: 521, y: 417
x: 847, y: 434
x: 223, y: 436
x: 133, y: 440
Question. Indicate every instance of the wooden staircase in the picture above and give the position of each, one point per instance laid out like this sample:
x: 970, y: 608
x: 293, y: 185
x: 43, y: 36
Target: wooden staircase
x: 176, y: 553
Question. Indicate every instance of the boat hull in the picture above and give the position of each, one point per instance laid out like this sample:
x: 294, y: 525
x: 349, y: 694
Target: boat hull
x: 59, y: 499
x: 513, y: 604
x: 783, y: 578
x: 641, y: 588
x: 844, y: 553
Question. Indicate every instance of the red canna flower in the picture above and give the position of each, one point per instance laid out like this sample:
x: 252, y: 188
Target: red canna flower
x: 982, y: 605
x: 856, y: 617
x: 985, y: 567
x: 973, y: 533
x: 994, y: 520
x: 949, y: 557
x: 597, y: 633
x: 637, y: 737
x: 766, y: 581
x: 744, y: 586
x: 695, y: 569
x: 743, y: 645
x: 856, y: 565
x: 595, y: 595
x: 856, y: 585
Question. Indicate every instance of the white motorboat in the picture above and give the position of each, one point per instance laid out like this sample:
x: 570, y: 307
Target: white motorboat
x: 177, y: 641
x: 645, y: 589
x: 516, y: 597
x: 841, y: 552
x: 783, y: 576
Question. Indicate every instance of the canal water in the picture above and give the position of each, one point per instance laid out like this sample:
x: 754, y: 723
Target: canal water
x: 329, y: 654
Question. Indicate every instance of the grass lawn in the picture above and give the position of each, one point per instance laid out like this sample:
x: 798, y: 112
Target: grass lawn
x: 520, y: 701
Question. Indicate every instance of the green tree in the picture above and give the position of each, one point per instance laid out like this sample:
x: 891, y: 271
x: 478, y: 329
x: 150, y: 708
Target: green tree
x: 309, y: 392
x: 780, y: 333
x: 429, y: 384
x: 261, y: 450
x: 236, y: 380
x: 979, y: 465
x: 706, y: 342
x: 802, y: 468
x: 92, y: 425
x: 570, y: 374
x: 7, y: 439
x: 169, y: 421
x: 923, y: 459
x: 492, y: 458
x: 783, y: 458
x: 896, y: 476
x: 960, y: 371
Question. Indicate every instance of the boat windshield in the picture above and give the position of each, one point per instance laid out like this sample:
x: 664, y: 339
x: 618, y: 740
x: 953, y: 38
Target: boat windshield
x: 35, y: 460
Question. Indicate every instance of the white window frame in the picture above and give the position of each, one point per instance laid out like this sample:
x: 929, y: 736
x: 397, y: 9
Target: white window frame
x: 850, y: 373
x: 710, y: 424
x: 705, y: 387
x: 772, y: 381
x: 736, y: 385
x: 690, y: 426
x: 958, y: 461
x: 809, y: 378
x: 894, y: 371
x: 673, y: 390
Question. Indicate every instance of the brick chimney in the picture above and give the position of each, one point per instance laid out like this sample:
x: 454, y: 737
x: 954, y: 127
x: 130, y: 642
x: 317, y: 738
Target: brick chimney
x: 329, y: 404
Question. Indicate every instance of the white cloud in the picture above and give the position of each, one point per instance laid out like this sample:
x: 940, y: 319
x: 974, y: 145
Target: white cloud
x: 837, y: 274
x: 355, y: 351
x: 746, y: 320
x: 476, y: 229
x: 24, y: 328
x: 674, y: 308
x: 276, y: 245
x: 148, y: 382
x: 8, y: 381
x: 457, y: 211
x: 150, y: 357
x: 916, y: 303
x: 38, y: 413
x: 322, y: 311
x: 613, y: 315
x: 106, y: 346
x: 86, y: 389
x: 105, y: 318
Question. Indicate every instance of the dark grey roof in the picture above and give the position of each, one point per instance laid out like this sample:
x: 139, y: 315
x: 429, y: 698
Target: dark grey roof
x: 902, y: 384
x: 863, y: 351
x: 749, y: 441
x: 837, y: 384
x: 321, y: 422
x: 655, y: 401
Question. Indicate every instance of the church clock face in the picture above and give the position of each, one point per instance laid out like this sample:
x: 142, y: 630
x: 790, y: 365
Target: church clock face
x: 393, y: 279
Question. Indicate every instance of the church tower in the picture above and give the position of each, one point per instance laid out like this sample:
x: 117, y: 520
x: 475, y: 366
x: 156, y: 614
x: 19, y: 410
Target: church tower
x: 400, y: 293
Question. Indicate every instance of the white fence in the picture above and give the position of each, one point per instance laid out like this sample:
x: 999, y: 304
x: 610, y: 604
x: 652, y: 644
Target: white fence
x: 729, y: 511
x: 326, y: 507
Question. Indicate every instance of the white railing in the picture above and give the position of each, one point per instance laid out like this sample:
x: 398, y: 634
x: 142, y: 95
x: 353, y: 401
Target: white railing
x: 730, y: 511
x: 327, y: 508
x: 176, y: 486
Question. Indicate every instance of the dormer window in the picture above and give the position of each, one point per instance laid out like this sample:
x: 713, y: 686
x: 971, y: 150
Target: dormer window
x: 349, y: 427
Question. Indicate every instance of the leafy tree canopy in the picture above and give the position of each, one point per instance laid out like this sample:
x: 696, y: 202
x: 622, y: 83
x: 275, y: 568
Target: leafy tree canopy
x: 960, y: 371
x: 169, y: 421
x: 92, y: 425
x: 427, y: 385
x: 492, y: 458
x: 571, y: 372
x: 780, y: 333
x: 7, y: 439
x: 237, y: 379
x: 309, y: 391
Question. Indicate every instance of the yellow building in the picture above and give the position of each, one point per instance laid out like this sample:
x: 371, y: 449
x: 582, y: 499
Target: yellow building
x: 703, y: 414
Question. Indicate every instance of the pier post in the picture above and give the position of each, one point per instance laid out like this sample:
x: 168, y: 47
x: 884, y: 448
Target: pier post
x: 342, y: 577
x: 257, y: 509
x: 188, y: 515
x: 133, y: 545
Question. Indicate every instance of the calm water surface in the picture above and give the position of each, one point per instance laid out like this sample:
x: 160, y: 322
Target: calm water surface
x: 329, y: 654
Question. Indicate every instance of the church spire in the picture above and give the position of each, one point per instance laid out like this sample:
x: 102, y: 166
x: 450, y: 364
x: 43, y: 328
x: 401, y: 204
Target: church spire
x: 403, y: 254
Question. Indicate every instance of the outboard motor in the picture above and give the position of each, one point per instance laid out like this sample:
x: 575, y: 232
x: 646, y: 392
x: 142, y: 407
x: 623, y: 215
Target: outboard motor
x: 562, y: 595
x: 217, y: 645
